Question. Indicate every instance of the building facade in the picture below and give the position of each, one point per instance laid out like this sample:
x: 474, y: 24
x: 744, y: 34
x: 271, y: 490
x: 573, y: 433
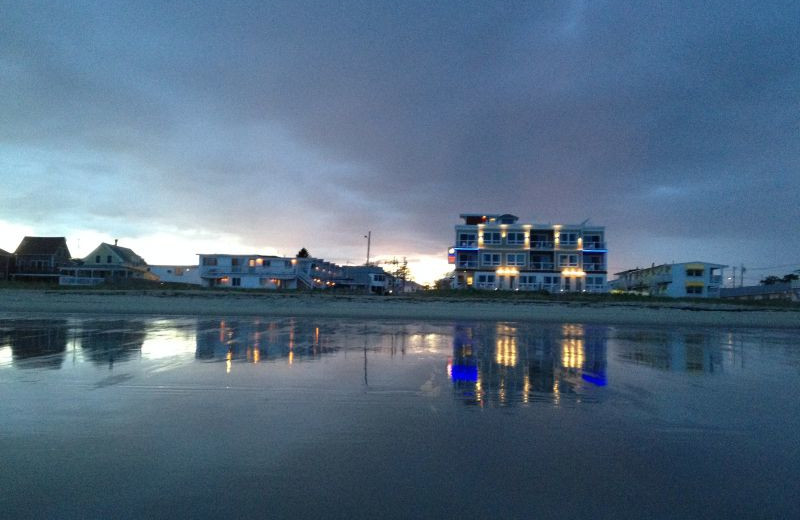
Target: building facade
x: 497, y: 252
x: 187, y: 274
x: 266, y: 272
x: 106, y: 263
x: 685, y: 280
x: 40, y: 259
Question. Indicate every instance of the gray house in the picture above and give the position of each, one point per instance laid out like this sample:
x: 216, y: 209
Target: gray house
x: 40, y: 259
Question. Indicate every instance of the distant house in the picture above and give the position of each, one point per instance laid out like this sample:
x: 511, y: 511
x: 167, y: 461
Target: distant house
x: 6, y: 263
x: 266, y: 272
x: 40, y: 259
x: 107, y: 263
x: 188, y: 274
x: 685, y: 280
x: 370, y: 279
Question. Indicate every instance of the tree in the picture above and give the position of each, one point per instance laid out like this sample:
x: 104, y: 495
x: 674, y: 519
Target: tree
x: 303, y: 253
x: 770, y: 280
x: 790, y: 277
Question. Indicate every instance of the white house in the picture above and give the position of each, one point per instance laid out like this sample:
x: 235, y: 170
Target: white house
x: 107, y: 263
x: 266, y: 272
x: 685, y: 280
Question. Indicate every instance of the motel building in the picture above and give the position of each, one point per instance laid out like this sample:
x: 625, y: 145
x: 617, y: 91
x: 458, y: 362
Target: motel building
x: 266, y: 272
x: 498, y: 253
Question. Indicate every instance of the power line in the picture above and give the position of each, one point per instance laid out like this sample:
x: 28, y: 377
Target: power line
x: 772, y: 267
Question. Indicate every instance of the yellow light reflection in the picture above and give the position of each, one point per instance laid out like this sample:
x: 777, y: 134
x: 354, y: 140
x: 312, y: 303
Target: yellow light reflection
x: 228, y: 362
x: 506, y: 346
x: 291, y: 357
x: 526, y: 388
x: 256, y: 355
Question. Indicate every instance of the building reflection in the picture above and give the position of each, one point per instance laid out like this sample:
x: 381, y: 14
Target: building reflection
x: 35, y: 343
x: 105, y: 342
x: 679, y: 351
x: 505, y: 364
x: 258, y: 341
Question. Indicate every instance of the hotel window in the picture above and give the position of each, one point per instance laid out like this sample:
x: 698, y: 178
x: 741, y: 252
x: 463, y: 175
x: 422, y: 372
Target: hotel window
x: 515, y: 259
x: 210, y: 260
x: 694, y: 290
x: 490, y: 259
x: 694, y: 272
x: 251, y: 262
x: 236, y: 282
x: 485, y: 278
x: 516, y: 238
x: 234, y: 261
x: 567, y: 260
x: 491, y: 238
x: 568, y: 238
x: 466, y: 239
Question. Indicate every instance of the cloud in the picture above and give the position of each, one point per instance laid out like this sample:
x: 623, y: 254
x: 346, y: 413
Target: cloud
x: 292, y: 125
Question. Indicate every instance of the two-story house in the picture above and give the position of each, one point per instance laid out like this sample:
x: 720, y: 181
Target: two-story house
x: 684, y: 280
x: 495, y: 251
x: 40, y: 259
x: 107, y: 263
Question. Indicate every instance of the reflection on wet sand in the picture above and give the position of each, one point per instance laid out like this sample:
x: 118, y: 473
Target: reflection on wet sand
x: 504, y: 364
x: 257, y: 340
x: 677, y: 351
x: 105, y: 342
x: 35, y: 343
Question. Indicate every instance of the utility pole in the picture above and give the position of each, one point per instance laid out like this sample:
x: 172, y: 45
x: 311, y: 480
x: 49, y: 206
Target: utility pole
x: 733, y: 278
x: 368, y: 236
x: 741, y: 274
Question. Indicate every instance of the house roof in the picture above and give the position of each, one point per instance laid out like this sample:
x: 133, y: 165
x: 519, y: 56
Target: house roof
x: 41, y: 246
x: 4, y: 253
x: 127, y: 254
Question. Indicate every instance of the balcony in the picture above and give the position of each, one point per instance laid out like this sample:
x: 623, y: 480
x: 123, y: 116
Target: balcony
x: 542, y: 266
x: 468, y: 264
x: 594, y: 267
x: 717, y: 278
x: 541, y: 245
x: 594, y: 245
x: 467, y: 243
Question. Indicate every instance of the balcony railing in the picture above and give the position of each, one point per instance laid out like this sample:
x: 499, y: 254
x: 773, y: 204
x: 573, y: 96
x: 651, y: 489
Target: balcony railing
x: 717, y: 278
x: 594, y: 245
x: 469, y: 264
x: 542, y: 266
x: 79, y: 280
x: 541, y: 245
x: 594, y: 267
x: 467, y: 243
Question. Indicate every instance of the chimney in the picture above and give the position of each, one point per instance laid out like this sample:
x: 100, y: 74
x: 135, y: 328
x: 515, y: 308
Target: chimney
x: 115, y: 241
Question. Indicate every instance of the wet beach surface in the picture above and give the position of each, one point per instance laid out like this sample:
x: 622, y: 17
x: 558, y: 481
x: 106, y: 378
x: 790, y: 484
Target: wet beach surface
x: 298, y: 417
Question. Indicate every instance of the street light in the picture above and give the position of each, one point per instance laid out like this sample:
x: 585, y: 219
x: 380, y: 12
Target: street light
x: 368, y: 236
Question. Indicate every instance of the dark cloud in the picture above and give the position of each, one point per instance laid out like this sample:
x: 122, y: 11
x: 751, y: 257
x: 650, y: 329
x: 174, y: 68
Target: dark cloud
x: 289, y: 122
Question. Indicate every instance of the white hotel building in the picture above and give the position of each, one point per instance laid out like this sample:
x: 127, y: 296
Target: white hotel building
x: 266, y: 272
x: 496, y: 252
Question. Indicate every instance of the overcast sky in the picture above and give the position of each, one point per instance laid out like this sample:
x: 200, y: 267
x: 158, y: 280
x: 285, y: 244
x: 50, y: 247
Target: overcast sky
x: 186, y: 127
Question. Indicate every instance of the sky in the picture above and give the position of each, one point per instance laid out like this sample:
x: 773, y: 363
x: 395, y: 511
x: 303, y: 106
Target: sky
x: 263, y: 127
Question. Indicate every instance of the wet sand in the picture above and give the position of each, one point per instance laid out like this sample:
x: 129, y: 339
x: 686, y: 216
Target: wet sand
x: 226, y: 303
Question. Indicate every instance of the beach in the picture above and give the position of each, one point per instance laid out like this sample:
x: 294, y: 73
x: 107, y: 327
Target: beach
x: 227, y: 303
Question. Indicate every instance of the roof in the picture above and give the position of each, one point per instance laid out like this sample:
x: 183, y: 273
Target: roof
x: 4, y: 253
x: 41, y: 246
x: 127, y: 254
x: 641, y: 269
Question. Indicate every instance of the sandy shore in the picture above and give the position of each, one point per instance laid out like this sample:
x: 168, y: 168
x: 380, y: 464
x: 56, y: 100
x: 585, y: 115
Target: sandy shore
x: 207, y: 303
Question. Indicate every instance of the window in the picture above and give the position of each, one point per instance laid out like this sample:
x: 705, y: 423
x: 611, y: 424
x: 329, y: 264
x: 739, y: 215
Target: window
x: 568, y: 238
x: 491, y: 237
x: 466, y: 239
x: 515, y: 259
x: 251, y: 262
x: 694, y: 272
x: 234, y: 261
x: 97, y: 259
x: 236, y: 282
x: 263, y: 281
x: 210, y: 260
x: 485, y: 278
x: 568, y: 260
x: 108, y: 259
x: 694, y: 289
x: 490, y: 258
x: 516, y: 238
x: 527, y: 279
